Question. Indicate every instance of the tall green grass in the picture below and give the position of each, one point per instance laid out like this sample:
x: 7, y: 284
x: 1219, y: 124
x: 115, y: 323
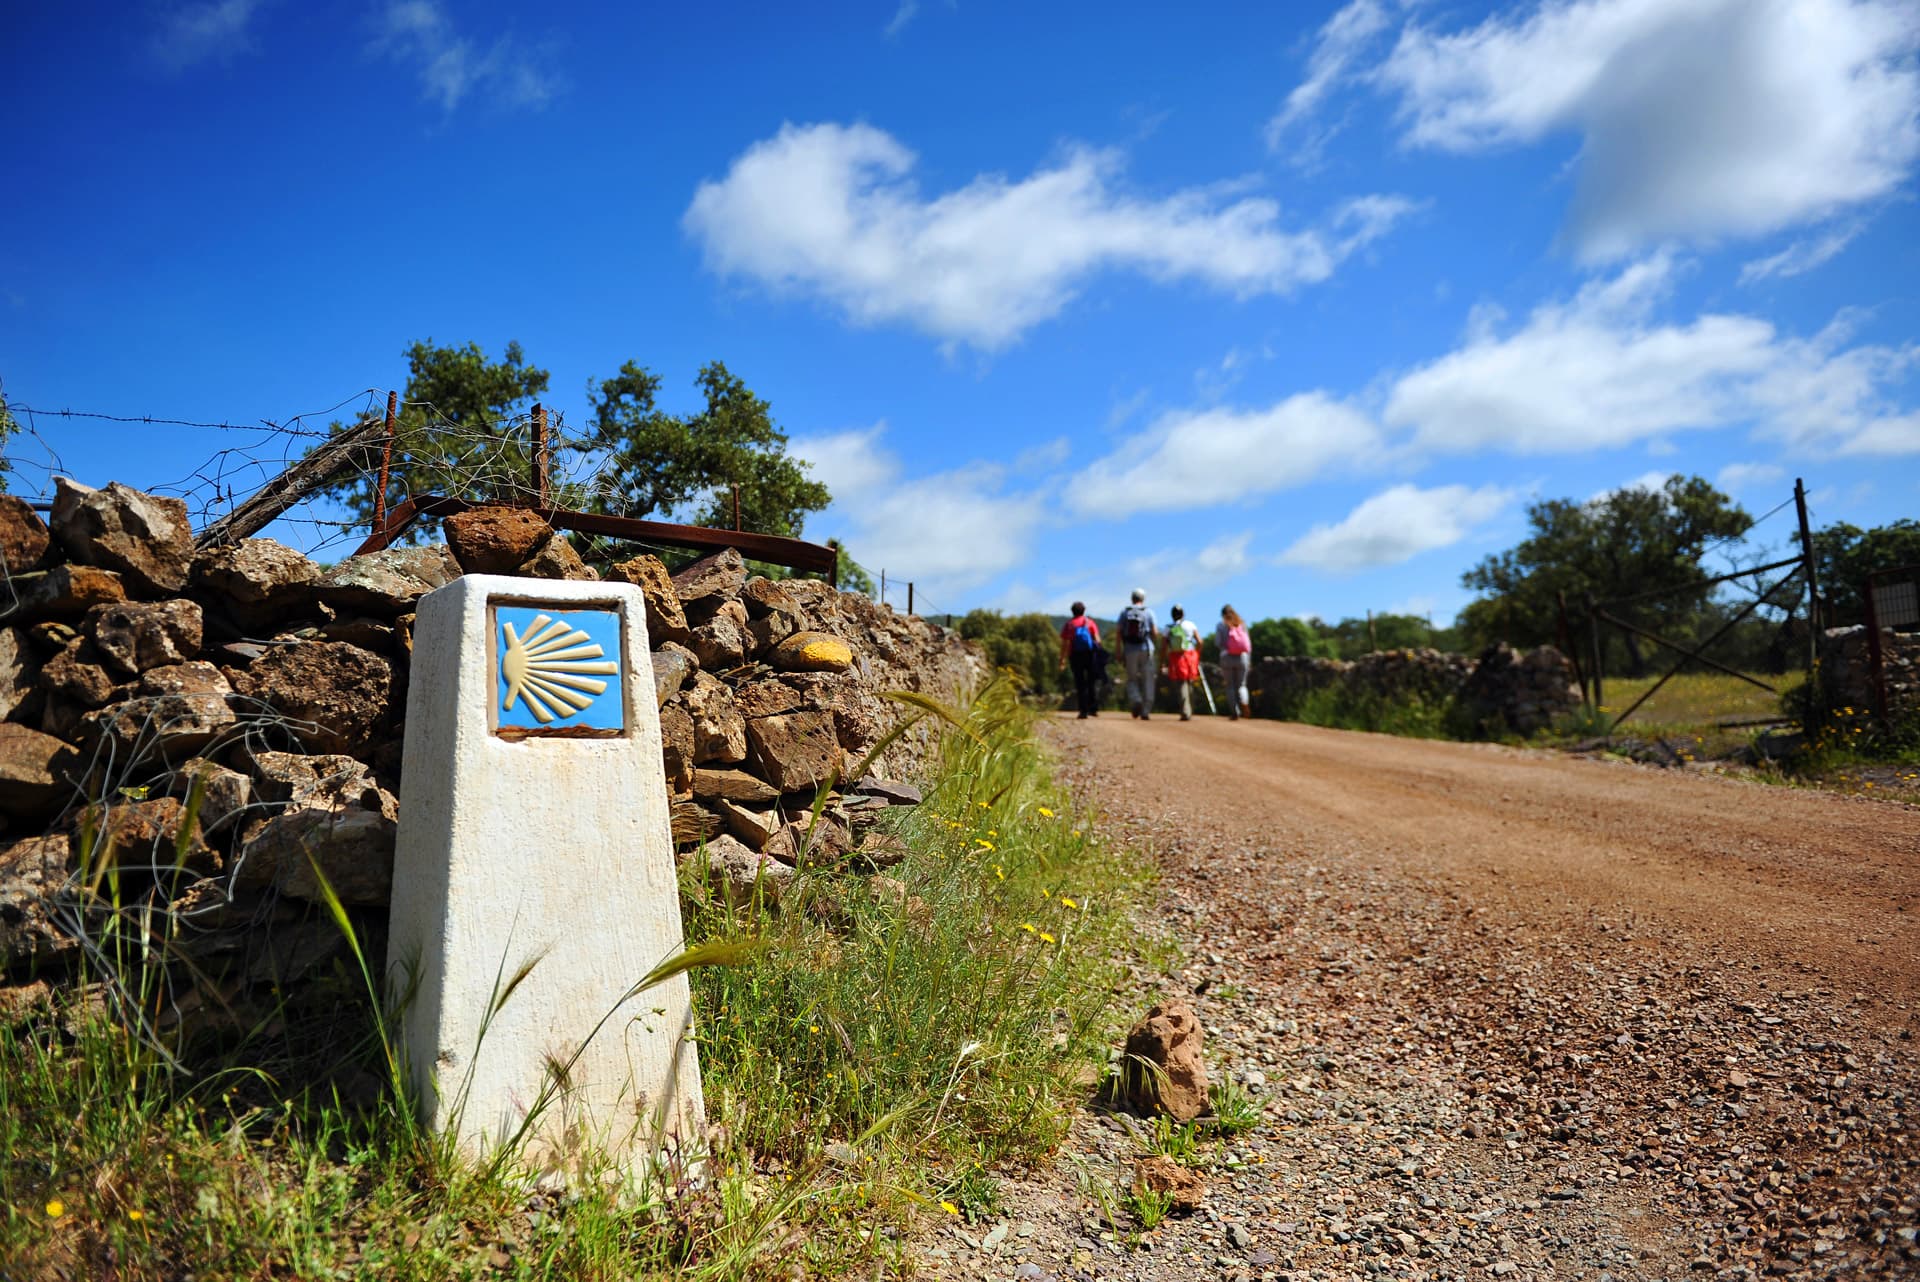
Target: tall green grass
x: 875, y: 1052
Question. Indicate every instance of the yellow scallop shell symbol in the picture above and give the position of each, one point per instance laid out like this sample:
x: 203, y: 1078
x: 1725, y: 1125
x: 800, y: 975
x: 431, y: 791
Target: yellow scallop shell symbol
x: 551, y: 669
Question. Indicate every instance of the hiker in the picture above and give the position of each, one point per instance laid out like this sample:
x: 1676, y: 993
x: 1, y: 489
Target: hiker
x: 1080, y: 646
x: 1183, y: 659
x: 1138, y: 633
x: 1236, y: 656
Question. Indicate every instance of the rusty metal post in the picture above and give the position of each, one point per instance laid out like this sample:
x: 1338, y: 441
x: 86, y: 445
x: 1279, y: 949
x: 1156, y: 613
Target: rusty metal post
x: 1813, y: 584
x: 1876, y: 656
x: 542, y: 456
x: 386, y: 464
x: 883, y: 587
x: 909, y: 596
x: 736, y: 505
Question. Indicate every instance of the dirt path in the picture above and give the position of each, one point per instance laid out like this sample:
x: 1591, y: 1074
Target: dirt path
x: 1510, y: 1015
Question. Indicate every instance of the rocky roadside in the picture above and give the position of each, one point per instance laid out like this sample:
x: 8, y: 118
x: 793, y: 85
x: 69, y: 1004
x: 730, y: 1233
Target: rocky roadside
x: 1450, y: 1092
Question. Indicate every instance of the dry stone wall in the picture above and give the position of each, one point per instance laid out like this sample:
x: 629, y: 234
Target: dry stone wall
x: 1846, y: 671
x: 223, y: 726
x: 1500, y: 690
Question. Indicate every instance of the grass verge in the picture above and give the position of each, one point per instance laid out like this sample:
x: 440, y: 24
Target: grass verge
x: 886, y: 1046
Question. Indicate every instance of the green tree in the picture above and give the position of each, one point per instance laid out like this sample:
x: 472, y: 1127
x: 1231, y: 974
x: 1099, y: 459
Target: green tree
x: 1844, y: 555
x: 660, y: 463
x: 1027, y: 643
x: 458, y: 431
x: 1284, y: 638
x: 1622, y: 544
x: 1352, y: 638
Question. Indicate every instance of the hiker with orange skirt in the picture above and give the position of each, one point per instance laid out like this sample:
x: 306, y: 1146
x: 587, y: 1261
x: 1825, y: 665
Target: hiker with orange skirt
x: 1183, y: 659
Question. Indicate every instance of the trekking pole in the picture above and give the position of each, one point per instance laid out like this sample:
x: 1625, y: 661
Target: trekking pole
x: 1208, y: 691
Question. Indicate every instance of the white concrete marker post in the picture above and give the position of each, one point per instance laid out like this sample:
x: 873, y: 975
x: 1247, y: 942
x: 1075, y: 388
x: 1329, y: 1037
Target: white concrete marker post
x: 534, y: 831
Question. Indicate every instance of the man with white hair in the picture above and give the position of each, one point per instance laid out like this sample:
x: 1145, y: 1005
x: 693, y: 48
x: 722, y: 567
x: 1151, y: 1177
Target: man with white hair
x: 1138, y: 633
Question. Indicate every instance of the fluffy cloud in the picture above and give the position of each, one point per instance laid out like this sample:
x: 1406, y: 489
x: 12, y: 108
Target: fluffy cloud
x: 1166, y: 576
x: 1598, y: 373
x: 1203, y: 458
x: 1396, y: 525
x: 453, y: 66
x: 1697, y: 118
x: 205, y: 32
x: 946, y: 532
x: 1736, y: 478
x: 832, y: 211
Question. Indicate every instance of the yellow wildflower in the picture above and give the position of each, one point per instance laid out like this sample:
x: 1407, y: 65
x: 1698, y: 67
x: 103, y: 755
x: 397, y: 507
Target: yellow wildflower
x: 1029, y: 927
x: 813, y: 1028
x: 1046, y: 812
x: 949, y: 1208
x: 56, y: 1208
x: 983, y: 842
x: 1000, y: 872
x: 136, y: 1215
x: 1068, y: 902
x: 1048, y: 939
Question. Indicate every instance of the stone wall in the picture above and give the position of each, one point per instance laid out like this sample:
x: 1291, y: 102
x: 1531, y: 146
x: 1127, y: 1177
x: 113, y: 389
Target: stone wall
x: 1502, y: 689
x: 1846, y: 671
x: 217, y: 724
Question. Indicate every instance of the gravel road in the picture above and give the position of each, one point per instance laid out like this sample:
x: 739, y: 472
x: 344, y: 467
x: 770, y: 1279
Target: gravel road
x: 1510, y: 1015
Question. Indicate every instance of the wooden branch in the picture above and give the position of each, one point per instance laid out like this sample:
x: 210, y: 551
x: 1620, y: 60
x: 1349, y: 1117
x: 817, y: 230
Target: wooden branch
x: 325, y: 462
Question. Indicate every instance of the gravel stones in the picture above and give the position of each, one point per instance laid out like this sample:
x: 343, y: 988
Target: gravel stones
x: 142, y: 537
x: 1164, y: 1068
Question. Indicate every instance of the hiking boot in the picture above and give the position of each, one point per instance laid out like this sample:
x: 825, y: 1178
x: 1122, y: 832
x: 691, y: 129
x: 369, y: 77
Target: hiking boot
x: 1186, y: 716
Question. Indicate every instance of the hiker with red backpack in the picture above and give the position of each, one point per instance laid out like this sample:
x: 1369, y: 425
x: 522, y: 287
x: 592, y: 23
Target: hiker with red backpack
x: 1080, y: 646
x: 1183, y: 659
x: 1236, y: 656
x: 1138, y: 633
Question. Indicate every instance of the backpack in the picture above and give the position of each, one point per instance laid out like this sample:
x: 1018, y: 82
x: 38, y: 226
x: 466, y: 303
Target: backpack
x: 1083, y: 642
x: 1180, y: 637
x: 1133, y: 625
x: 1238, y: 641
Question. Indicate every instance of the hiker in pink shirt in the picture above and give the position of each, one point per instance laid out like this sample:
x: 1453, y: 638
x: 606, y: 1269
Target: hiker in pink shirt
x: 1080, y: 646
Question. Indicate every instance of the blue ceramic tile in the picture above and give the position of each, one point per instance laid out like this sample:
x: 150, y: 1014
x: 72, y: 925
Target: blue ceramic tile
x: 558, y: 669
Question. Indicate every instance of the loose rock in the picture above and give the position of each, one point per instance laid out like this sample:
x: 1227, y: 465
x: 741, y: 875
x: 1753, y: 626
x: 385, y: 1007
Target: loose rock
x: 144, y: 538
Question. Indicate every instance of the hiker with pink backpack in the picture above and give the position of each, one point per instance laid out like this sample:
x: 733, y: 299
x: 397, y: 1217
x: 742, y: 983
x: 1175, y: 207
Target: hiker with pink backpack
x: 1236, y: 656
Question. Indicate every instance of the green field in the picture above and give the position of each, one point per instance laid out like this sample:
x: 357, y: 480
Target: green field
x: 1696, y: 699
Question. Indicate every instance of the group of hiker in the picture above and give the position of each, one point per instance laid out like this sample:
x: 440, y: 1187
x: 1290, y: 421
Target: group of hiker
x: 1141, y: 641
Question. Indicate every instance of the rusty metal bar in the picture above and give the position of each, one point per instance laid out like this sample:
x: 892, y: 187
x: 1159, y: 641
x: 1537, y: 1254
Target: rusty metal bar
x: 386, y: 462
x: 736, y: 505
x: 1672, y: 672
x: 542, y: 456
x: 1705, y: 583
x: 793, y: 553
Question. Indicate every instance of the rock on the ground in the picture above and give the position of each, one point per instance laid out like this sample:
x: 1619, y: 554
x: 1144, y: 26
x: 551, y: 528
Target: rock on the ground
x: 707, y: 584
x: 143, y: 537
x: 892, y: 791
x: 1161, y: 1174
x: 350, y: 845
x: 34, y: 771
x: 336, y: 695
x: 738, y: 873
x: 134, y: 636
x: 719, y: 733
x: 676, y: 746
x: 1165, y: 1070
x: 795, y: 751
x: 720, y: 643
x: 30, y: 872
x: 812, y: 652
x: 495, y: 540
x: 751, y: 824
x: 224, y: 794
x: 556, y: 559
x: 283, y: 777
x: 255, y: 578
x: 666, y: 620
x: 64, y: 592
x: 389, y: 582
x: 672, y: 666
x: 23, y: 535
x: 175, y: 710
x: 77, y: 674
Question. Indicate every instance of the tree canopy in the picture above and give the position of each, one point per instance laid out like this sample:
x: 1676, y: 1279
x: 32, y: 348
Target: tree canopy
x: 1623, y: 543
x: 462, y: 431
x: 1844, y: 555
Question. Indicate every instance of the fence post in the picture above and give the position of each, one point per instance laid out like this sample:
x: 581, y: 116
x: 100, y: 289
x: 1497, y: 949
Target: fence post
x: 909, y: 596
x: 386, y: 465
x: 1593, y: 630
x: 541, y: 455
x: 883, y: 586
x: 1813, y: 584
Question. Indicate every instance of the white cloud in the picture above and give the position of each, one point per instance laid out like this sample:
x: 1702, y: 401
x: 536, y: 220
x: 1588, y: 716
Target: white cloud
x: 1801, y: 257
x: 832, y: 211
x: 1735, y: 478
x: 453, y: 66
x: 1599, y: 373
x: 850, y: 464
x: 908, y: 10
x: 1341, y: 41
x: 1396, y: 525
x: 210, y: 31
x: 1697, y: 118
x: 946, y: 532
x: 1652, y: 482
x: 1167, y: 576
x: 1203, y: 458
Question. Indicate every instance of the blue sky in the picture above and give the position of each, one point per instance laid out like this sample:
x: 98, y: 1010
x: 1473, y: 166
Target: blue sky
x: 1293, y: 306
